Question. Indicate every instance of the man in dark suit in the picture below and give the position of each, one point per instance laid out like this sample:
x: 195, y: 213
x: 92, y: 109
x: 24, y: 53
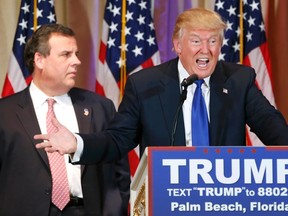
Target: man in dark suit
x: 25, y: 177
x: 147, y: 111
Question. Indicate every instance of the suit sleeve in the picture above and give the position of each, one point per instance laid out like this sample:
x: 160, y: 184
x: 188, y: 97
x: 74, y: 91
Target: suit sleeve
x: 263, y: 118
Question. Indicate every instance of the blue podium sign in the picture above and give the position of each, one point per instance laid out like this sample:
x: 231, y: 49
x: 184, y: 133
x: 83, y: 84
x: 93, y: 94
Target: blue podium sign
x: 218, y: 181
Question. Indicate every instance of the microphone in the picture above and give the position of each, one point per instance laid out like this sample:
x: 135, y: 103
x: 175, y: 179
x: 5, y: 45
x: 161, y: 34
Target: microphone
x: 184, y: 84
x: 189, y: 80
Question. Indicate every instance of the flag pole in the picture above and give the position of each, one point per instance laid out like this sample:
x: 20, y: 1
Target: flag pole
x: 35, y: 24
x: 241, y: 51
x: 123, y: 51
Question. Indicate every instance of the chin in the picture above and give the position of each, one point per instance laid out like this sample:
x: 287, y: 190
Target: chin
x: 71, y: 83
x: 67, y: 87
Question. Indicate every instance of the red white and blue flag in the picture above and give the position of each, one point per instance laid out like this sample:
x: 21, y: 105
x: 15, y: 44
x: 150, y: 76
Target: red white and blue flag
x: 33, y: 14
x: 128, y: 44
x: 245, y: 43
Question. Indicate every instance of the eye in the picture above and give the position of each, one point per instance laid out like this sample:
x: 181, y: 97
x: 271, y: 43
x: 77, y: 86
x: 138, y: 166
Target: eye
x: 195, y: 41
x: 66, y: 54
x: 212, y: 41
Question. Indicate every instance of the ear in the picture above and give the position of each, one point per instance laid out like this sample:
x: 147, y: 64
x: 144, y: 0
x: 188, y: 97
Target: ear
x: 177, y: 45
x: 39, y: 60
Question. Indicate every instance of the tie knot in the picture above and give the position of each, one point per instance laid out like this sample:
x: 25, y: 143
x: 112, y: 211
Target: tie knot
x: 51, y: 102
x: 199, y: 82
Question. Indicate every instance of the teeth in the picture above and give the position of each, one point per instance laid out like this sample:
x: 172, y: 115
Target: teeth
x: 202, y: 62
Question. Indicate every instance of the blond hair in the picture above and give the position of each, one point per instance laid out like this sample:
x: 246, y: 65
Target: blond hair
x: 198, y: 19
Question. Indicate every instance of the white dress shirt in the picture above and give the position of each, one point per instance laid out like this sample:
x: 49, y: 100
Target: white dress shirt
x: 65, y: 114
x: 187, y: 105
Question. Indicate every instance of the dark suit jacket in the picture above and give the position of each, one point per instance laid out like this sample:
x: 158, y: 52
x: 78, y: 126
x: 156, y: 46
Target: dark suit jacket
x: 150, y: 101
x: 25, y: 179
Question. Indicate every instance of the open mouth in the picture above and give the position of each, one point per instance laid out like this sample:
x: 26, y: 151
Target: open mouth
x: 202, y: 62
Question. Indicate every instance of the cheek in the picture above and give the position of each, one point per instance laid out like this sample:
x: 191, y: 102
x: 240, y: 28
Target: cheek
x: 216, y: 50
x: 191, y: 51
x: 53, y: 72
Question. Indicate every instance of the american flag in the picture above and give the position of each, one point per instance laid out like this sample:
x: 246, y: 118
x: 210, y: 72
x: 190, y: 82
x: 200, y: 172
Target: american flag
x: 128, y: 44
x: 18, y: 76
x: 245, y: 43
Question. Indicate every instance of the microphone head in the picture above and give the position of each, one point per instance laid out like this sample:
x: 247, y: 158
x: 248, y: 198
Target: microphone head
x: 189, y: 80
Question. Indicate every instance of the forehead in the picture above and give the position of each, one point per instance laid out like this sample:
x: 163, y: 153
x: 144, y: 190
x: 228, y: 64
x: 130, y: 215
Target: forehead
x: 59, y: 40
x: 201, y: 33
x: 60, y: 43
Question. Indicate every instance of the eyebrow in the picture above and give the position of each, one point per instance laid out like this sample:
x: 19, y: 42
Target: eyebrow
x: 68, y: 51
x: 199, y: 36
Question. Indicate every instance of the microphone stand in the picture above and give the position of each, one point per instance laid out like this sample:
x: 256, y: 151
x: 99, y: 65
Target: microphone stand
x: 183, y: 97
x: 184, y: 84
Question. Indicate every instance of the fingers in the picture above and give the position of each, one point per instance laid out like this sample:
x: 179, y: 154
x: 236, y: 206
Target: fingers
x: 63, y: 141
x: 41, y: 137
x: 46, y: 146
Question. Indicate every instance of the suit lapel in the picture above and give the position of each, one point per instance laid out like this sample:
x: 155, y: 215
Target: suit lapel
x: 28, y: 119
x: 219, y: 104
x: 83, y: 114
x: 170, y: 100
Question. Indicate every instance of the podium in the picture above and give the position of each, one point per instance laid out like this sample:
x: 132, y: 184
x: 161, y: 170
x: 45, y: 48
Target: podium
x: 184, y: 181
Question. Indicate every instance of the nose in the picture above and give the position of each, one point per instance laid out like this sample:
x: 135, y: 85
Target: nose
x: 204, y: 47
x: 77, y: 60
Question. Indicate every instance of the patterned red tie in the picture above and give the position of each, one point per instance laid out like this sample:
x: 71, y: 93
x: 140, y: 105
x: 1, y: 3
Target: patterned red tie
x: 60, y: 187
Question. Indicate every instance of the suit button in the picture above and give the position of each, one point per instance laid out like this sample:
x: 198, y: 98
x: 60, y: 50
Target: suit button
x: 48, y: 191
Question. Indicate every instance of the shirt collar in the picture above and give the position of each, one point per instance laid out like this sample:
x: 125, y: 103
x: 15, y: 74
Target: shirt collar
x: 39, y: 97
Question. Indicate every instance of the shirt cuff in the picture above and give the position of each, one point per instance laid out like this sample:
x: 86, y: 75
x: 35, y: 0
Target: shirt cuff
x: 78, y: 153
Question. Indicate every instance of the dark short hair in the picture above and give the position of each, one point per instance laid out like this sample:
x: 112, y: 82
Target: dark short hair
x: 38, y: 42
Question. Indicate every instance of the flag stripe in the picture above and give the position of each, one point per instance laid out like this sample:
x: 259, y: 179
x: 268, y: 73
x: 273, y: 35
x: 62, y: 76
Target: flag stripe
x: 107, y: 83
x: 262, y: 78
x: 7, y: 88
x: 15, y: 76
x: 102, y: 54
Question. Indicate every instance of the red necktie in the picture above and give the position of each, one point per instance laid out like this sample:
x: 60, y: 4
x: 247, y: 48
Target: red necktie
x: 200, y: 123
x: 60, y: 187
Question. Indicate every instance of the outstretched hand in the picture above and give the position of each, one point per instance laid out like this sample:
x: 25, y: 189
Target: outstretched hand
x: 63, y: 141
